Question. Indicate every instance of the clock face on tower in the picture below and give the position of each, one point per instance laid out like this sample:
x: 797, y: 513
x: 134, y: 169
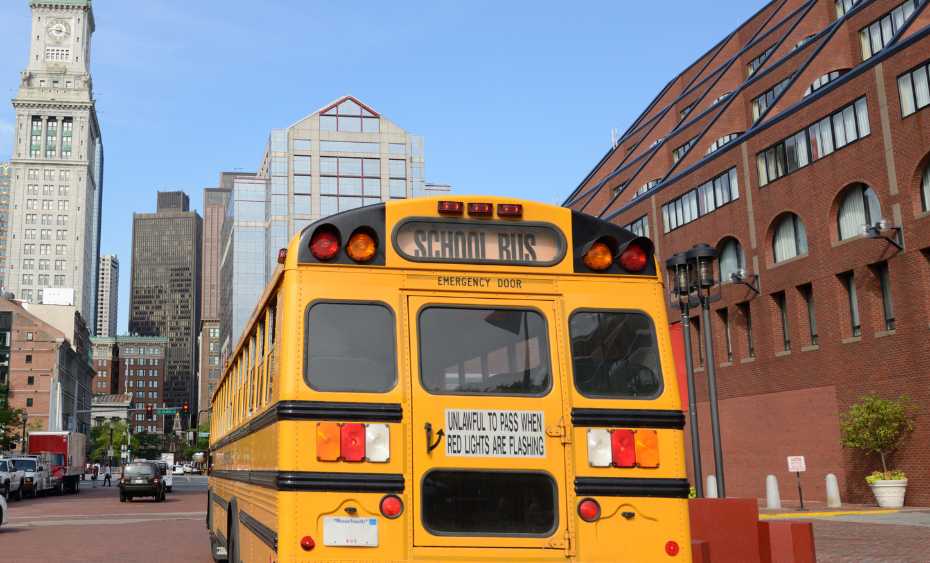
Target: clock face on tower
x: 58, y: 30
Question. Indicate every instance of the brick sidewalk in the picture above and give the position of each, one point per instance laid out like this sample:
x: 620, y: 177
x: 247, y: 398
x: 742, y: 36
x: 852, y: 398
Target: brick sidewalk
x: 856, y: 542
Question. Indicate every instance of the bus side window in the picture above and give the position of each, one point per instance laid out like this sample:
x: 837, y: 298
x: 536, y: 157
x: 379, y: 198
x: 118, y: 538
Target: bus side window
x: 272, y: 344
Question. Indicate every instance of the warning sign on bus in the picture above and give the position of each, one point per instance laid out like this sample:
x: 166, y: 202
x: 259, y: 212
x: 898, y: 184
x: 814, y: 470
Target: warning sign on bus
x: 495, y: 433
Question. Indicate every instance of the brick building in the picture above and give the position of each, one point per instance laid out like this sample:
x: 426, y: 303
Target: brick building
x: 778, y: 146
x: 133, y: 366
x: 49, y: 370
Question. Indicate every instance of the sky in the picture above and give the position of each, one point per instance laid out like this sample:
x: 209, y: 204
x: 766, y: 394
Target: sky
x: 513, y: 98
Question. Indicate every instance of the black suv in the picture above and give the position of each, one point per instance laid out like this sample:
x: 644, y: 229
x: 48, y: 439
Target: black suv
x: 141, y: 479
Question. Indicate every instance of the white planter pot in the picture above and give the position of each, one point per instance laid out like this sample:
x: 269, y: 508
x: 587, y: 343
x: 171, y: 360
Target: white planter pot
x: 889, y: 493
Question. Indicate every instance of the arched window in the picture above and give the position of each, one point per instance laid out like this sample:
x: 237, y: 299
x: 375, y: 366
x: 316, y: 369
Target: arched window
x: 859, y: 207
x: 790, y: 238
x: 731, y: 259
x: 925, y: 189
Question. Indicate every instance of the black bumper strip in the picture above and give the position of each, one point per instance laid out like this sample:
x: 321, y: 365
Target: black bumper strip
x: 318, y: 481
x: 263, y: 532
x: 316, y: 410
x: 629, y: 418
x: 631, y: 487
x: 224, y: 504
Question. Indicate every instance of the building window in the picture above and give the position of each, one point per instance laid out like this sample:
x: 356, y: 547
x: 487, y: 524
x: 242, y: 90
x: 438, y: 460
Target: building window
x: 781, y: 305
x: 731, y: 259
x: 843, y: 6
x: 913, y: 89
x: 807, y: 293
x: 29, y: 401
x: 35, y: 143
x: 700, y: 201
x: 29, y: 336
x: 783, y: 158
x: 925, y: 189
x: 28, y: 358
x: 349, y: 116
x: 823, y: 80
x: 755, y: 63
x: 790, y: 238
x: 56, y: 54
x: 849, y: 283
x: 645, y: 188
x: 858, y: 209
x: 884, y: 282
x: 727, y: 337
x: 762, y: 103
x: 347, y: 183
x: 639, y: 227
x: 681, y: 151
x: 30, y: 380
x: 722, y: 141
x: 875, y: 36
x: 51, y: 136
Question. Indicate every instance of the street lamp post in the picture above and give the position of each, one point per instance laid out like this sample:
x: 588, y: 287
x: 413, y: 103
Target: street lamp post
x: 701, y: 259
x: 23, y: 442
x: 681, y: 288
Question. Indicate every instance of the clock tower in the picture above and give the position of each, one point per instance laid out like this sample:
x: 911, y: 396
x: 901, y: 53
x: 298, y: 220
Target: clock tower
x: 57, y: 185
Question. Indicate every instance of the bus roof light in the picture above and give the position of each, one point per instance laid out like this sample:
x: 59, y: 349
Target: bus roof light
x: 623, y: 448
x: 352, y: 438
x: 377, y: 443
x: 392, y: 506
x: 599, y: 257
x: 598, y: 447
x: 327, y: 441
x: 451, y: 208
x: 634, y: 258
x: 589, y: 510
x: 510, y: 210
x: 647, y: 448
x: 362, y: 246
x: 480, y: 209
x: 324, y: 244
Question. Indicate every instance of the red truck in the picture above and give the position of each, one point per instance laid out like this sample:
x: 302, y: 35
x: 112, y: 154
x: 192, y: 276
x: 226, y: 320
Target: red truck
x: 66, y: 452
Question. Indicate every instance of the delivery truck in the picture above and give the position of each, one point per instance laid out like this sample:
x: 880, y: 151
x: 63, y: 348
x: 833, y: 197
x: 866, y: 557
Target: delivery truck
x: 66, y: 453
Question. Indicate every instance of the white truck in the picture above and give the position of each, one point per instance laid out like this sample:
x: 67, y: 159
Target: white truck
x: 11, y: 479
x: 36, y: 479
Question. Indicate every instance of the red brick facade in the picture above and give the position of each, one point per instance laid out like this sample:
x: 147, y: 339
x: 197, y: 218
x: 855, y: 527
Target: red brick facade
x: 781, y: 402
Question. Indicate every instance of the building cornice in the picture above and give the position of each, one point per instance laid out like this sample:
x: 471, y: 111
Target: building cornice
x: 55, y: 104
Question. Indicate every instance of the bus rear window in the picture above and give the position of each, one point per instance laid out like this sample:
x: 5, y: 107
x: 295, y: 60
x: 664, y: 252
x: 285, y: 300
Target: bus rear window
x: 468, y: 351
x: 615, y: 355
x: 489, y: 503
x: 350, y: 347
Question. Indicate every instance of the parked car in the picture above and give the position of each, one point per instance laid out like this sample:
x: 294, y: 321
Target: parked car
x: 196, y: 470
x: 3, y: 517
x: 141, y: 479
x: 187, y: 468
x: 178, y: 470
x: 37, y: 479
x: 166, y: 475
x: 11, y: 479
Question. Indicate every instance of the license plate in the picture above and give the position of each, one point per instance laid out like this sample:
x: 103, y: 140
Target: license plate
x: 350, y: 532
x: 139, y: 481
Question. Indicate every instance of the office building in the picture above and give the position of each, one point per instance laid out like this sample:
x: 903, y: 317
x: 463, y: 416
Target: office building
x: 798, y: 147
x: 107, y: 296
x: 57, y: 185
x: 6, y: 177
x: 165, y: 289
x: 134, y: 367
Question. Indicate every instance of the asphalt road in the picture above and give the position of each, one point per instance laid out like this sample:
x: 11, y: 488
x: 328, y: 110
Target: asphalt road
x: 94, y: 526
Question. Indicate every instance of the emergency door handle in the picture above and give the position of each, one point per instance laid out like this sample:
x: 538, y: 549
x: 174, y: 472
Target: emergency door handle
x: 430, y: 444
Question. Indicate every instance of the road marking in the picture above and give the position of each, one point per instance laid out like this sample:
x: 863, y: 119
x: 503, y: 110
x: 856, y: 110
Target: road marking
x: 96, y: 521
x: 117, y: 515
x: 788, y: 515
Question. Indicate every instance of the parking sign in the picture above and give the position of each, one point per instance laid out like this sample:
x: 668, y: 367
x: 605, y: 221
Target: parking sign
x: 796, y: 464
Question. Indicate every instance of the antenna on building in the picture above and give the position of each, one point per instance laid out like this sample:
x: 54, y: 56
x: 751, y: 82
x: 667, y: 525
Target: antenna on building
x: 614, y: 137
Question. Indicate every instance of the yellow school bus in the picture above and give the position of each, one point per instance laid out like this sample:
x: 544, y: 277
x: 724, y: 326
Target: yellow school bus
x: 470, y: 379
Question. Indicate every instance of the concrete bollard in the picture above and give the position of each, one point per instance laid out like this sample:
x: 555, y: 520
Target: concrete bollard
x: 710, y: 491
x: 772, y: 497
x: 833, y: 492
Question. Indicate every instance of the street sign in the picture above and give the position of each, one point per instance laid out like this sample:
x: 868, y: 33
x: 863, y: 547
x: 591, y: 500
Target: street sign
x: 166, y: 411
x: 203, y: 434
x: 190, y: 436
x: 110, y: 452
x: 796, y: 464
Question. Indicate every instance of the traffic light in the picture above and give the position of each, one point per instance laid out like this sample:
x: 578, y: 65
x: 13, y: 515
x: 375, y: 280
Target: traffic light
x: 148, y: 409
x: 186, y: 408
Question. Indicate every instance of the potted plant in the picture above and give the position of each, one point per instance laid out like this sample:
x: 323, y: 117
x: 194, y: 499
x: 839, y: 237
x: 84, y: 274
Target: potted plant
x: 876, y: 425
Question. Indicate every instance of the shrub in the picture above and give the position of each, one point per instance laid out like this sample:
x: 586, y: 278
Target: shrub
x: 893, y: 475
x: 876, y: 425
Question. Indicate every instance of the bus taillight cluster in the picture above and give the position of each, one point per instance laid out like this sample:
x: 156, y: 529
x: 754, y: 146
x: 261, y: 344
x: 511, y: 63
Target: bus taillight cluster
x: 326, y: 244
x: 623, y: 448
x: 602, y: 254
x: 353, y: 441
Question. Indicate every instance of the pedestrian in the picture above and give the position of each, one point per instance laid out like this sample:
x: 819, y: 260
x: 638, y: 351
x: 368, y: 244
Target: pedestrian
x: 93, y: 475
x: 106, y: 476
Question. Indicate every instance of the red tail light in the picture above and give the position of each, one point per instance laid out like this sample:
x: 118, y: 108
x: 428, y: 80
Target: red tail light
x: 480, y: 209
x: 510, y: 210
x: 450, y: 208
x: 325, y: 243
x: 589, y: 510
x: 671, y: 548
x: 392, y: 506
x: 307, y: 543
x: 623, y: 448
x: 633, y: 258
x: 352, y: 438
x: 155, y: 480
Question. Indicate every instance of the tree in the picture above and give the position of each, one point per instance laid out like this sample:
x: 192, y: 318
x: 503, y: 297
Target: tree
x: 11, y: 426
x: 876, y: 425
x: 148, y: 446
x: 100, y: 440
x: 200, y: 444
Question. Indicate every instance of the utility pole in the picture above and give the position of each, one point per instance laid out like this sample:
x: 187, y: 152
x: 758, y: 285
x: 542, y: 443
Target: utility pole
x: 23, y: 444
